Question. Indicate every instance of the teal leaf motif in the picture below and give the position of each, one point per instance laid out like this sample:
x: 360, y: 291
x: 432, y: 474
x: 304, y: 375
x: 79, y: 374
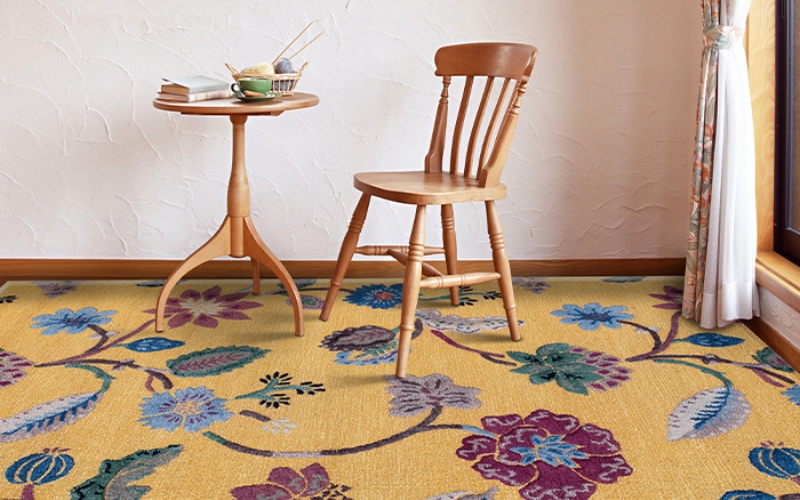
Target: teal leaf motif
x: 708, y: 413
x: 712, y: 340
x: 115, y: 477
x: 747, y: 495
x: 153, y: 344
x: 54, y: 415
x: 214, y: 361
x: 48, y: 417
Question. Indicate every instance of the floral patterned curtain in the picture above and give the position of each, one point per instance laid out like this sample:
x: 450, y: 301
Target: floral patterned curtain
x: 720, y: 265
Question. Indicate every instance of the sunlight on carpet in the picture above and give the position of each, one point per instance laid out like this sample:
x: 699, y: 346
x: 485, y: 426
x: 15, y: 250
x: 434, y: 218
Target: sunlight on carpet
x: 610, y: 394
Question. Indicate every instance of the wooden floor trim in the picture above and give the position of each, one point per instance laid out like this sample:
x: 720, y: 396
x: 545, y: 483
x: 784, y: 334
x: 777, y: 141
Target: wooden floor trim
x: 785, y: 349
x: 84, y: 269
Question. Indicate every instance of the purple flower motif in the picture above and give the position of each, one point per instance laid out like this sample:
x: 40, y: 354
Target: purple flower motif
x: 12, y: 368
x: 53, y: 289
x: 545, y: 455
x: 377, y: 296
x: 535, y: 285
x: 672, y: 297
x: 593, y: 316
x: 70, y: 321
x: 358, y: 338
x: 414, y: 395
x: 204, y: 309
x: 194, y: 408
x: 284, y: 483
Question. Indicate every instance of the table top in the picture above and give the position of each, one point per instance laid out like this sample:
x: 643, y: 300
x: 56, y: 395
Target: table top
x: 234, y: 106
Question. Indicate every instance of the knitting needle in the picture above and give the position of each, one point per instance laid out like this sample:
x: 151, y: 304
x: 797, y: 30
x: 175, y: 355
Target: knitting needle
x: 290, y: 43
x: 306, y: 45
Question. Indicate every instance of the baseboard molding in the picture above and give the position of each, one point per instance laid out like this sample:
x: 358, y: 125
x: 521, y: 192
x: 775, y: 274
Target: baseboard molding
x: 785, y: 349
x: 75, y: 269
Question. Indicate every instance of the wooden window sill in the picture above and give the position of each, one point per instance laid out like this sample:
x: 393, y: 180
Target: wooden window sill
x: 780, y: 277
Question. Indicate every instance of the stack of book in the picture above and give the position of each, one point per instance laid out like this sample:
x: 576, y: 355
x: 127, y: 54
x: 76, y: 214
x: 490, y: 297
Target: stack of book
x: 194, y: 88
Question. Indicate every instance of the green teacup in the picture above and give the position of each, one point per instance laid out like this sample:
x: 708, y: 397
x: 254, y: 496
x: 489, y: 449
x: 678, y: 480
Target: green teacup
x: 260, y: 85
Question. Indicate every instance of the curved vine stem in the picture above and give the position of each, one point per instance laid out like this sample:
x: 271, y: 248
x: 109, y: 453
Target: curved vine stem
x: 660, y: 346
x: 423, y: 426
x: 490, y: 356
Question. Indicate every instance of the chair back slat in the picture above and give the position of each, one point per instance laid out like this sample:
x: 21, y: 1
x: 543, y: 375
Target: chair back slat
x: 476, y: 127
x: 474, y: 64
x: 459, y: 129
x: 492, y: 128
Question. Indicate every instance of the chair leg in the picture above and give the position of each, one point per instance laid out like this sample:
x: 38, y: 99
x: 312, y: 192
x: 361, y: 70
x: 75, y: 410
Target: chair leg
x: 502, y: 267
x: 416, y: 252
x: 450, y: 247
x: 345, y: 254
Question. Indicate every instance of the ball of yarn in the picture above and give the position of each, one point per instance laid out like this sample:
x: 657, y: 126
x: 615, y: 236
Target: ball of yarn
x: 283, y: 66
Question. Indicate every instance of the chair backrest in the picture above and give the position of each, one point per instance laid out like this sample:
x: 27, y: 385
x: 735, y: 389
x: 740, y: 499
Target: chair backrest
x: 506, y: 64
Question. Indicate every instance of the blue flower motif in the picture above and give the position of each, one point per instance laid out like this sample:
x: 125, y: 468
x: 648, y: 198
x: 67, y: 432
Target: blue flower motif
x: 593, y: 316
x: 793, y: 394
x: 377, y: 296
x: 72, y: 322
x: 552, y: 450
x: 195, y: 408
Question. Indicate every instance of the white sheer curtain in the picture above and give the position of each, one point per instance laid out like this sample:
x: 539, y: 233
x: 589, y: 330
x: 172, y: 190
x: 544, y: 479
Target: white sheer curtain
x: 720, y: 273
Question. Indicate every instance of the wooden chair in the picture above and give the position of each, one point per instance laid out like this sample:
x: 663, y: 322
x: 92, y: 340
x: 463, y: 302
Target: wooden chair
x: 504, y: 70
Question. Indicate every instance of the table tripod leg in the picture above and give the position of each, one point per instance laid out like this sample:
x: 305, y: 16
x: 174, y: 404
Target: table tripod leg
x: 257, y: 250
x: 217, y: 246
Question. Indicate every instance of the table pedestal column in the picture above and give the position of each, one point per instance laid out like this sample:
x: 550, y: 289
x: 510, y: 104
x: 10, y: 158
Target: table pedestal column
x: 237, y: 237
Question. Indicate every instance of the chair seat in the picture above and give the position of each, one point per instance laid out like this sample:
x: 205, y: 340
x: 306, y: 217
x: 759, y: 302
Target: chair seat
x: 421, y: 188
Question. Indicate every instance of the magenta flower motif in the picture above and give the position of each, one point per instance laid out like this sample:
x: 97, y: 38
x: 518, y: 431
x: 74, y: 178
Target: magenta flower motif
x: 284, y: 483
x: 12, y: 368
x: 204, y: 309
x: 672, y: 297
x: 548, y: 456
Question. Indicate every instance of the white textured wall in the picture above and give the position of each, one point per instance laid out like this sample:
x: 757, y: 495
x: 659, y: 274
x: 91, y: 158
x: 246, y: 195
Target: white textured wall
x: 89, y: 169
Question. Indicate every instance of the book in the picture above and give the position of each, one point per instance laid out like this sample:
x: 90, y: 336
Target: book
x: 195, y: 96
x: 192, y: 84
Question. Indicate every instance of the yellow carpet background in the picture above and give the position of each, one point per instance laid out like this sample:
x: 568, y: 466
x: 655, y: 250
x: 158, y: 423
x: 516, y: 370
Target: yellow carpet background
x: 80, y: 395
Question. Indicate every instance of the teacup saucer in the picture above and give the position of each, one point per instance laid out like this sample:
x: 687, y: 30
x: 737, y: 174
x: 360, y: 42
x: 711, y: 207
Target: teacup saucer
x: 266, y: 97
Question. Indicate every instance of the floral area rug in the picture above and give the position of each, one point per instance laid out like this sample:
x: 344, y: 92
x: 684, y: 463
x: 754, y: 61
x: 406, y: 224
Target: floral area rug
x: 609, y: 395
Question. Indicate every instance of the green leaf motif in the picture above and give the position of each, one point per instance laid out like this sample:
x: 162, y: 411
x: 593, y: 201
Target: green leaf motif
x: 115, y: 476
x: 562, y: 359
x: 572, y: 385
x: 574, y: 369
x: 551, y: 349
x: 525, y: 358
x: 214, y: 361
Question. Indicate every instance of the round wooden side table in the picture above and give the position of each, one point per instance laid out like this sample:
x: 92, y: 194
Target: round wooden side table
x: 237, y: 237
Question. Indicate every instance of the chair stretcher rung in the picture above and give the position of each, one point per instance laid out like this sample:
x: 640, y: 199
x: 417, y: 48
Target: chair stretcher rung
x: 386, y: 249
x: 458, y: 280
x: 427, y: 269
